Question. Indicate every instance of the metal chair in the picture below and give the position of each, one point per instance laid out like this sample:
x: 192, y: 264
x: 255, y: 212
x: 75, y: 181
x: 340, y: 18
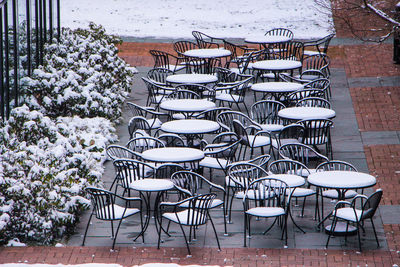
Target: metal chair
x: 318, y: 132
x: 153, y: 117
x: 190, y: 184
x: 143, y: 143
x: 225, y: 119
x: 167, y: 61
x: 292, y: 133
x: 156, y: 92
x: 234, y: 93
x: 266, y: 198
x: 321, y: 45
x: 138, y: 123
x: 206, y: 41
x: 265, y: 113
x: 181, y: 47
x: 315, y: 67
x: 105, y: 207
x: 159, y: 76
x: 355, y: 215
x: 192, y: 212
x: 196, y: 66
x: 313, y: 102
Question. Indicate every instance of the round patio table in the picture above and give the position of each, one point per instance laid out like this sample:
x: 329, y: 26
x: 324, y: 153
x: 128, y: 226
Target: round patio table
x: 276, y: 89
x: 303, y: 113
x: 192, y: 129
x: 191, y: 78
x: 187, y: 106
x: 276, y: 66
x: 190, y: 157
x: 342, y: 181
x: 146, y: 187
x: 206, y: 53
x: 267, y: 39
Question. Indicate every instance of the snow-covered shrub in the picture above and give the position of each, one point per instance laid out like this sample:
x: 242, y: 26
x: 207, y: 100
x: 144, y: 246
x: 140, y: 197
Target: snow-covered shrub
x: 45, y: 166
x: 81, y: 75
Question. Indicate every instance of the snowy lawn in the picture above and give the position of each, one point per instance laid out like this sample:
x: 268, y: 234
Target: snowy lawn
x: 178, y: 18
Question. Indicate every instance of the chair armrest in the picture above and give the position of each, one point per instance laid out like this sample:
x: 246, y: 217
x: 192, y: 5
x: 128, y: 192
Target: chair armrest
x: 312, y: 72
x: 342, y: 202
x: 353, y: 201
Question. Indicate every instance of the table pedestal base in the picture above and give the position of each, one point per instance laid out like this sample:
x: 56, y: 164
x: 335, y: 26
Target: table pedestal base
x: 340, y: 229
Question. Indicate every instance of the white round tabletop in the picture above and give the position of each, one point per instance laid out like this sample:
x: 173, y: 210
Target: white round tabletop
x: 207, y: 53
x: 303, y: 113
x: 173, y: 154
x: 190, y: 126
x: 187, y: 105
x: 277, y: 87
x: 192, y: 78
x: 341, y: 179
x: 267, y: 39
x: 277, y: 64
x: 290, y: 179
x: 152, y: 185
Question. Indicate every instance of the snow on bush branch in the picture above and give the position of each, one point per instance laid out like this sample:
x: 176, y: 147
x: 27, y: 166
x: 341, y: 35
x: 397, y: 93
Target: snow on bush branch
x: 53, y: 147
x: 82, y: 75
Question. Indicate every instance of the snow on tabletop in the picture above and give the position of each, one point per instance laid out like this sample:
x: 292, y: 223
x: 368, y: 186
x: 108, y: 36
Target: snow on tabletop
x: 219, y: 18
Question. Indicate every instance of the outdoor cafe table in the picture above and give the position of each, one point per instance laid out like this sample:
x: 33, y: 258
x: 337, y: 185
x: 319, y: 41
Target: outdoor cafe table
x: 341, y: 181
x: 303, y: 113
x: 192, y: 129
x: 146, y: 187
x: 276, y: 89
x: 189, y: 157
x: 266, y: 40
x: 191, y: 78
x: 187, y: 106
x: 276, y: 66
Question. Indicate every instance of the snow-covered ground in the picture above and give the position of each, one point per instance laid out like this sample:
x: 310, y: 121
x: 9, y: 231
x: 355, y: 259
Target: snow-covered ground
x: 178, y: 18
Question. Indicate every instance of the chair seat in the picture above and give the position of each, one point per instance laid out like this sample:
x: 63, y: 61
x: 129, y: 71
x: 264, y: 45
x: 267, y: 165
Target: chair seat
x: 348, y: 214
x: 253, y: 194
x: 307, y: 77
x: 332, y: 193
x: 316, y: 140
x: 178, y: 116
x: 183, y: 218
x: 301, y: 192
x: 266, y: 211
x: 154, y: 123
x: 118, y: 212
x: 210, y: 162
x: 174, y: 67
x: 271, y: 127
x: 215, y: 203
x: 312, y: 53
x: 228, y: 97
x: 269, y: 75
x: 259, y: 141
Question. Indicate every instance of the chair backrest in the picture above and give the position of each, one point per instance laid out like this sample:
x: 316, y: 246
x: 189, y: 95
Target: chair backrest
x: 336, y: 165
x: 313, y: 102
x: 161, y: 58
x: 136, y: 109
x: 240, y: 131
x: 317, y: 131
x: 159, y: 75
x: 165, y: 171
x: 225, y: 137
x: 156, y: 92
x: 197, y: 208
x: 266, y: 112
x: 206, y: 41
x: 302, y: 153
x: 280, y: 32
x: 223, y: 151
x: 225, y: 119
x: 119, y: 152
x: 211, y: 114
x: 129, y: 170
x: 243, y: 173
x: 293, y: 133
x: 371, y: 205
x: 261, y: 161
x: 171, y: 140
x: 288, y: 166
x: 102, y: 203
x: 267, y: 192
x: 298, y: 95
x: 203, y: 91
x: 181, y: 93
x: 245, y: 61
x: 138, y: 123
x: 323, y: 43
x: 322, y: 84
x: 191, y: 183
x: 197, y: 66
x: 181, y: 47
x: 224, y: 75
x: 144, y: 143
x: 292, y: 50
x: 316, y: 62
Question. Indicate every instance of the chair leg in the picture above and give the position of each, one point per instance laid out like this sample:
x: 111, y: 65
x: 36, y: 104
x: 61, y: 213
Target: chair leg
x: 359, y: 235
x: 215, y: 231
x: 223, y: 214
x: 116, y: 233
x: 373, y: 228
x: 333, y: 226
x: 159, y: 233
x: 87, y: 227
x: 184, y: 235
x: 245, y: 230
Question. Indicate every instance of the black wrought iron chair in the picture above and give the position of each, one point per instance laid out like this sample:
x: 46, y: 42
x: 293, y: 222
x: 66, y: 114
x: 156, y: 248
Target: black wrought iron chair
x: 167, y: 61
x: 106, y: 206
x: 357, y: 216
